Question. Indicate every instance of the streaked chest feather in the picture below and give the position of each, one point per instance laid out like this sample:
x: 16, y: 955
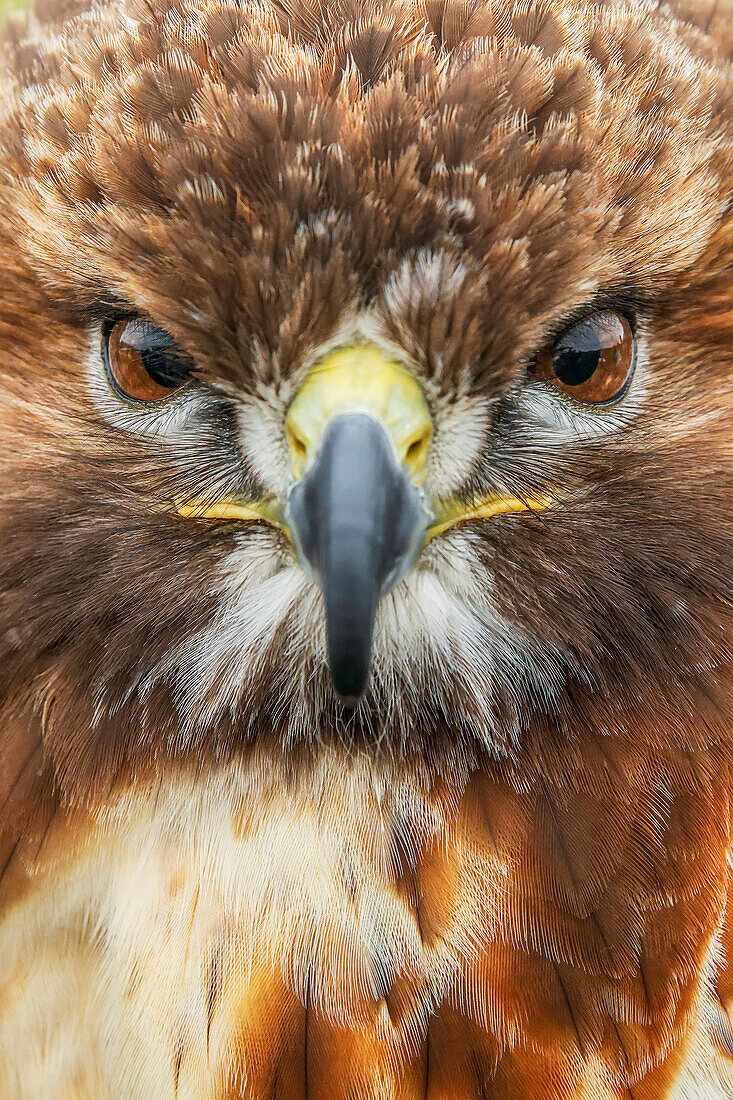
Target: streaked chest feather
x: 360, y: 935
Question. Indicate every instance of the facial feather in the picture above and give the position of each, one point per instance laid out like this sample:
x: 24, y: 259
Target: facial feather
x: 504, y: 839
x: 457, y: 192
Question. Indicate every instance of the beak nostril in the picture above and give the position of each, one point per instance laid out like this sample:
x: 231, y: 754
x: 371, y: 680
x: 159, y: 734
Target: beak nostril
x: 417, y: 450
x: 413, y: 451
x: 298, y: 445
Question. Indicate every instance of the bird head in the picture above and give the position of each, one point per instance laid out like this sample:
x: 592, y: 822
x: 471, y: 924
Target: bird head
x: 366, y: 371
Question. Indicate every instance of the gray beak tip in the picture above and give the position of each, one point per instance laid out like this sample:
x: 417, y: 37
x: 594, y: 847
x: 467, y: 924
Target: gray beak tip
x: 349, y: 702
x: 349, y: 673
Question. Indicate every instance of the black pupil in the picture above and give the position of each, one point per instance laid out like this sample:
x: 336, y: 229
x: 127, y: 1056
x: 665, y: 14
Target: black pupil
x: 573, y: 367
x: 161, y: 359
x: 578, y: 353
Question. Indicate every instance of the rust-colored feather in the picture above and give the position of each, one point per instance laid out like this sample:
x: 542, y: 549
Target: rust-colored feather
x: 505, y: 874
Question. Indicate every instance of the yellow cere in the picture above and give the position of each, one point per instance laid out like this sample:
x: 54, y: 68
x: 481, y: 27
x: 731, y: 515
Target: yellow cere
x: 360, y: 378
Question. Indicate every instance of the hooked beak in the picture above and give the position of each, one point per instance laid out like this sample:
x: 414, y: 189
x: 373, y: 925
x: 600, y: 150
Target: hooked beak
x: 359, y: 432
x: 358, y: 523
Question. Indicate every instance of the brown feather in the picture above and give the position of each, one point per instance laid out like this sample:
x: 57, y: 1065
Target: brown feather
x: 506, y: 874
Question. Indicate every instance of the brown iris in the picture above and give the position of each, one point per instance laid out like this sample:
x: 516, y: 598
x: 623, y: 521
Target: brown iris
x: 143, y: 363
x: 593, y: 361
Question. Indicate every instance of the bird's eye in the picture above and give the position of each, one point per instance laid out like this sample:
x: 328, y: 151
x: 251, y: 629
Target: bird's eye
x: 143, y: 363
x: 593, y: 361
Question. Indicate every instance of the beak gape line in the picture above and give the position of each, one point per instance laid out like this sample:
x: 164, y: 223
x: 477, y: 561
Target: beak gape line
x: 359, y: 432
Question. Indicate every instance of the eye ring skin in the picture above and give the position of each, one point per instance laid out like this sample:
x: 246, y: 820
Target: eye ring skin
x: 124, y: 362
x: 598, y: 353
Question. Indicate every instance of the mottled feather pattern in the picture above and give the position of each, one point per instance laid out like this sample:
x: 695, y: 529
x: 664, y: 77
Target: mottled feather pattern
x: 506, y: 874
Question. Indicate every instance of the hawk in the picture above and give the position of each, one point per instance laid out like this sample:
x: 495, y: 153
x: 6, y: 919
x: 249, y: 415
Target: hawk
x: 366, y: 393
